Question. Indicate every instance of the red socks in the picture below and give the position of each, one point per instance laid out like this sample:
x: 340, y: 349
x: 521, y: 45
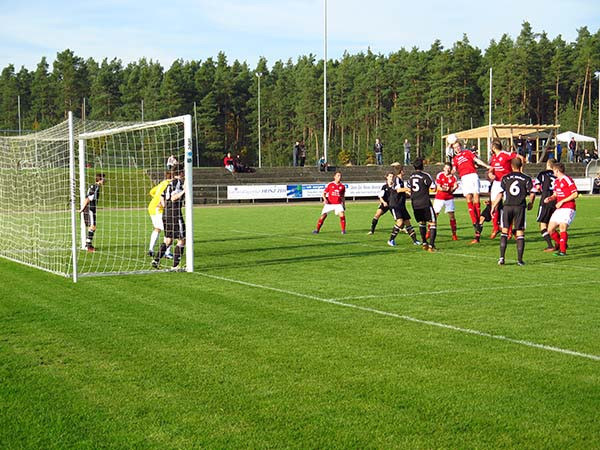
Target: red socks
x: 563, y: 241
x: 453, y: 225
x: 474, y: 218
x: 320, y: 223
x: 495, y: 221
x: 343, y: 223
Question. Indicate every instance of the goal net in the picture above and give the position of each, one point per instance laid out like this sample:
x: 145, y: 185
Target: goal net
x: 46, y: 177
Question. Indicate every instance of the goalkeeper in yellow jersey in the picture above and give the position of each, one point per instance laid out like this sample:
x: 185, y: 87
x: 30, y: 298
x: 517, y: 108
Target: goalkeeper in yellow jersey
x: 155, y: 209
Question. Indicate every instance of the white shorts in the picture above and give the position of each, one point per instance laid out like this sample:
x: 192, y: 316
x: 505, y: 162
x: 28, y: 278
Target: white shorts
x: 157, y: 221
x: 495, y: 190
x: 338, y: 208
x: 563, y: 215
x: 438, y: 204
x: 470, y: 183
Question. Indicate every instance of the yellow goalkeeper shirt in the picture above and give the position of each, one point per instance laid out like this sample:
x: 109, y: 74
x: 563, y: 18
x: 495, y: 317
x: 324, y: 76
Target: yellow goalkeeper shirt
x: 156, y: 193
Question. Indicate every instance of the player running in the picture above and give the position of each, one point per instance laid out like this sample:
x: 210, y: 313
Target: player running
x: 465, y: 163
x: 89, y: 210
x: 384, y: 197
x: 334, y: 199
x: 544, y: 184
x: 420, y: 183
x: 565, y: 193
x: 444, y: 197
x: 514, y: 187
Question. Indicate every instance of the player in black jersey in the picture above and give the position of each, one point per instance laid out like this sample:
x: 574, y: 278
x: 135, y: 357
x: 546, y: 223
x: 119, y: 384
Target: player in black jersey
x: 420, y: 182
x: 172, y: 200
x: 515, y: 187
x: 544, y: 184
x: 89, y: 210
x: 397, y: 205
x: 384, y: 197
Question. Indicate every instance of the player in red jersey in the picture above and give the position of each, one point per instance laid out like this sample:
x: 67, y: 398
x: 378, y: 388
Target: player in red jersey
x: 500, y: 163
x: 444, y: 198
x: 333, y: 200
x: 565, y: 193
x: 465, y: 163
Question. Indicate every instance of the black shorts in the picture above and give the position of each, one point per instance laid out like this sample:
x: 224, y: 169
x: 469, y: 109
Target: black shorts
x: 174, y: 227
x: 424, y: 214
x: 514, y: 215
x: 487, y: 213
x: 383, y: 209
x: 89, y: 217
x: 400, y: 212
x: 545, y: 212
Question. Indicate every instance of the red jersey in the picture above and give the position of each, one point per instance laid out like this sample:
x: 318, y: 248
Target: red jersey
x: 563, y: 187
x: 447, y: 182
x: 501, y: 163
x: 335, y: 193
x: 228, y: 161
x: 464, y: 163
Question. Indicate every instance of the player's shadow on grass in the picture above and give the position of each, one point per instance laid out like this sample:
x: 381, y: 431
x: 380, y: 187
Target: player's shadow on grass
x: 300, y: 259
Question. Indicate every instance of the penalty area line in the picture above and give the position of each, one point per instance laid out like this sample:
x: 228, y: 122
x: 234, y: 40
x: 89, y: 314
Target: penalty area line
x: 406, y: 318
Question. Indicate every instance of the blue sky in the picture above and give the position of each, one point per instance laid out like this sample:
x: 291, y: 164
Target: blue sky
x: 276, y: 29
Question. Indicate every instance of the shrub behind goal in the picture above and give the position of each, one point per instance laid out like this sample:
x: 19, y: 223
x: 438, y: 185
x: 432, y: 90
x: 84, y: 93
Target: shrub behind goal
x: 44, y: 178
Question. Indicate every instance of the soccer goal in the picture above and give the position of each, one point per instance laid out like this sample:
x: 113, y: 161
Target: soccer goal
x: 46, y: 177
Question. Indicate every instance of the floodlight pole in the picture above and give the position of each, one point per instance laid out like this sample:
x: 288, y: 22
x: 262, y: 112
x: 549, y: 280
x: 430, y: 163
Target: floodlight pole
x: 489, y: 139
x: 597, y: 74
x: 325, y: 80
x: 259, y: 75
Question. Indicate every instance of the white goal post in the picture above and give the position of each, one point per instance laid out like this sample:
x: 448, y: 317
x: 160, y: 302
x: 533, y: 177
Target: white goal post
x: 46, y: 177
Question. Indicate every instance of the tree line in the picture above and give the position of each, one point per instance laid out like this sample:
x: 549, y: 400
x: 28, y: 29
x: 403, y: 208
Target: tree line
x: 409, y: 94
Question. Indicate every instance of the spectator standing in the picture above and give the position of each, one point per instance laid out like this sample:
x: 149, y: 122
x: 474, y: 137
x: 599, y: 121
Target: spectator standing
x: 295, y: 153
x: 558, y: 151
x: 406, y: 152
x: 449, y: 154
x: 378, y: 149
x: 572, y: 148
x: 302, y: 154
x: 520, y: 143
x: 529, y: 148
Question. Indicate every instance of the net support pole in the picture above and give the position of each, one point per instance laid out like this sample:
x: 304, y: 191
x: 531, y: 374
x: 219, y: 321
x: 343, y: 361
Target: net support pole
x: 82, y: 190
x: 189, y: 193
x: 73, y: 197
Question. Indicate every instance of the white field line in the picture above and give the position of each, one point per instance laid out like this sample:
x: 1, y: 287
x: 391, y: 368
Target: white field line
x: 406, y: 318
x: 469, y: 290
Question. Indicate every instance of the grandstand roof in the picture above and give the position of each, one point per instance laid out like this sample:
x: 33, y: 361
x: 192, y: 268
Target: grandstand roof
x: 505, y: 130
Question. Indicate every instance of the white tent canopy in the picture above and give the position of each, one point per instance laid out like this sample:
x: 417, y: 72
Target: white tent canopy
x: 567, y: 135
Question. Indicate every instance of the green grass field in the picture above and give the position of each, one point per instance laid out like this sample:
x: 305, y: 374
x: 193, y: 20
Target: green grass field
x: 285, y: 339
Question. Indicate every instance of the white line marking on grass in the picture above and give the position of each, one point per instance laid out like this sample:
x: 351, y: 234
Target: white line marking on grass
x: 406, y: 318
x: 458, y: 291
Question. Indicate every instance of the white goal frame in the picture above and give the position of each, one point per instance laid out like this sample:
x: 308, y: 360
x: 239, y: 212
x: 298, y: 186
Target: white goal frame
x: 43, y: 187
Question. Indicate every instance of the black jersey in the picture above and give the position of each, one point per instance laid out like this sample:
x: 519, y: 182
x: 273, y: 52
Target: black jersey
x: 420, y: 182
x: 516, y: 187
x: 545, y: 179
x: 173, y: 208
x: 93, y: 195
x: 397, y: 198
x: 384, y: 193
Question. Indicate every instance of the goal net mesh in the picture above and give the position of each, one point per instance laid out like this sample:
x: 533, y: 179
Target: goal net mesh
x: 35, y: 194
